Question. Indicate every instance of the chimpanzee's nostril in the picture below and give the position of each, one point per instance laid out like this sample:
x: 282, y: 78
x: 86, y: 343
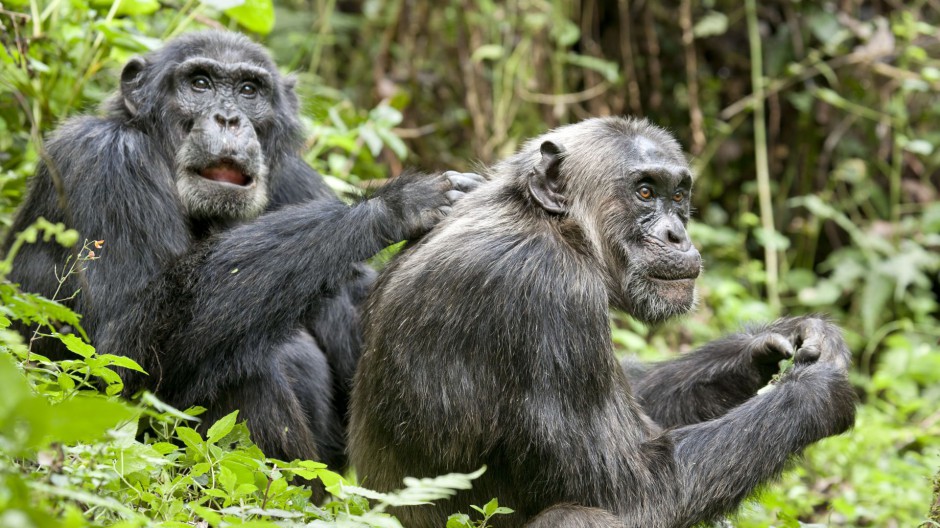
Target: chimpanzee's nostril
x: 224, y: 123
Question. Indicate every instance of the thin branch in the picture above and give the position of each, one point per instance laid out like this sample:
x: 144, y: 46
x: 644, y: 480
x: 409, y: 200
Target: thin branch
x: 626, y: 54
x: 691, y: 75
x: 564, y: 99
x: 760, y: 157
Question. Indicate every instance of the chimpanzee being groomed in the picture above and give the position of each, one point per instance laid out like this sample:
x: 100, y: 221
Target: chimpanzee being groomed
x: 488, y: 343
x: 230, y: 272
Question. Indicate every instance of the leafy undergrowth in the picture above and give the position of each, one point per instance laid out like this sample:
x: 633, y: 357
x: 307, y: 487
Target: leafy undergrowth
x: 74, y: 454
x: 71, y: 457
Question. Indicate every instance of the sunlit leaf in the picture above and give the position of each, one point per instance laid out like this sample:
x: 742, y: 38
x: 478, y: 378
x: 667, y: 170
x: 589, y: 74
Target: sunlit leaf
x: 713, y: 23
x: 254, y: 15
x: 488, y: 52
x: 222, y: 427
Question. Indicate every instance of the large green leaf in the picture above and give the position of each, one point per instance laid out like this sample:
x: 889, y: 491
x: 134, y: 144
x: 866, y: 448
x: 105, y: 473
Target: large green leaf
x: 222, y: 427
x: 128, y: 7
x: 85, y: 418
x: 254, y: 15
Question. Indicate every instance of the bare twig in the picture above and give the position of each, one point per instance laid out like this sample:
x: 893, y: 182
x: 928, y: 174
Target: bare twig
x: 474, y: 105
x: 565, y: 99
x: 652, y: 50
x: 414, y: 133
x: 691, y: 75
x: 760, y: 156
x: 267, y: 489
x: 626, y: 53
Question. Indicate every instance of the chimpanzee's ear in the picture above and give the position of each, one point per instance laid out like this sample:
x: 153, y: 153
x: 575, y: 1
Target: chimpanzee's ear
x: 545, y: 179
x: 131, y: 77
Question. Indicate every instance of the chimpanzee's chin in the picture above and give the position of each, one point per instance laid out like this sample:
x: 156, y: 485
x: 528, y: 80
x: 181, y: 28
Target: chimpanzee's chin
x: 655, y: 301
x: 208, y: 199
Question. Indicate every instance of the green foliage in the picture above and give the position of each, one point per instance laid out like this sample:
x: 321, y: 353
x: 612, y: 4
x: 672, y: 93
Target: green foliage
x: 854, y: 154
x: 488, y: 511
x: 71, y: 457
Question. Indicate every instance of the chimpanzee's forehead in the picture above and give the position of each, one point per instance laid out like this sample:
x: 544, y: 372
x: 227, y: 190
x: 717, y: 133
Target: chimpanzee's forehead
x: 220, y: 46
x: 219, y: 69
x: 646, y: 151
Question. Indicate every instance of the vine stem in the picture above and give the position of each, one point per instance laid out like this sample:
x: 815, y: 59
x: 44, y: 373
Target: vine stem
x: 760, y: 157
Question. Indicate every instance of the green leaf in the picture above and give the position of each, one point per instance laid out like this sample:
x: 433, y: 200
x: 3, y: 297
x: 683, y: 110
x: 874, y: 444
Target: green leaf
x: 371, y: 139
x: 566, y: 33
x: 386, y: 116
x: 490, y: 507
x: 217, y: 493
x: 711, y: 25
x: 459, y: 520
x: 227, y: 478
x: 190, y: 437
x: 76, y: 345
x: 825, y: 293
x: 91, y: 499
x: 303, y: 473
x: 244, y: 490
x: 86, y: 418
x: 159, y: 406
x: 122, y: 361
x: 222, y: 5
x: 254, y: 15
x: 65, y: 381
x: 875, y: 294
x: 610, y: 70
x: 138, y: 7
x: 333, y: 482
x: 393, y: 142
x: 164, y: 448
x: 488, y: 52
x: 222, y: 427
x: 15, y: 387
x: 919, y: 146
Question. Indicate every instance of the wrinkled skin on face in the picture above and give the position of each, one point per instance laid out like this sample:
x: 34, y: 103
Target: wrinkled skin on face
x: 220, y: 107
x: 652, y: 261
x: 630, y: 196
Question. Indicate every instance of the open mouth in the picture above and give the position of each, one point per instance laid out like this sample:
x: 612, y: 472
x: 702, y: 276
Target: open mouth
x: 226, y: 172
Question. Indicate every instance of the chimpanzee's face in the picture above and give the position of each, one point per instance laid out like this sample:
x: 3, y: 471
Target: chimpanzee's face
x: 221, y: 167
x: 651, y: 256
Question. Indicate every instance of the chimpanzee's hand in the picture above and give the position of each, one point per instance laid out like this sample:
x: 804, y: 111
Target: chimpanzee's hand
x: 417, y: 202
x: 766, y: 350
x: 818, y: 341
x: 821, y: 363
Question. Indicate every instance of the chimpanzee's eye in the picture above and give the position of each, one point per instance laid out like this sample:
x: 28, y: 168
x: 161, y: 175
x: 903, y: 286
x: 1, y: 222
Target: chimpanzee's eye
x: 201, y: 83
x: 645, y: 192
x: 678, y: 196
x: 248, y: 89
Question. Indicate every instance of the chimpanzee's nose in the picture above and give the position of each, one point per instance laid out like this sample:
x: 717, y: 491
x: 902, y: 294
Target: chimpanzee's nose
x: 227, y: 122
x: 671, y: 232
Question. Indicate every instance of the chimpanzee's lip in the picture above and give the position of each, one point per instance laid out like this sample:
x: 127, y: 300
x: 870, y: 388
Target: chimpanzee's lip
x: 228, y: 172
x: 675, y: 275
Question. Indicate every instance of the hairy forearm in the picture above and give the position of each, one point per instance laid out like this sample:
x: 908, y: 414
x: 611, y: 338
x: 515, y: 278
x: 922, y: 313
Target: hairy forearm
x: 698, y: 386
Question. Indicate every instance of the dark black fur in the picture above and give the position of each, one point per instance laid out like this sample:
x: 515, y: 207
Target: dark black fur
x: 489, y: 343
x: 236, y: 295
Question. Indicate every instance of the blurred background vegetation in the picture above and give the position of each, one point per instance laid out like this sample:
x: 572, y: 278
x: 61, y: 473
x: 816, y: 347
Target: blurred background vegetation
x: 812, y: 127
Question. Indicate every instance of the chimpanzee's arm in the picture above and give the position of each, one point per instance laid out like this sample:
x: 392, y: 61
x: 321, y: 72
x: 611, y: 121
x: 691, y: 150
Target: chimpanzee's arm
x: 110, y: 183
x: 212, y: 315
x: 720, y: 462
x: 715, y: 378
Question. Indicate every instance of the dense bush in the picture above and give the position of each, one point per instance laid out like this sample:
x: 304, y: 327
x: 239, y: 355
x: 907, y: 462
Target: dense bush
x: 819, y: 169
